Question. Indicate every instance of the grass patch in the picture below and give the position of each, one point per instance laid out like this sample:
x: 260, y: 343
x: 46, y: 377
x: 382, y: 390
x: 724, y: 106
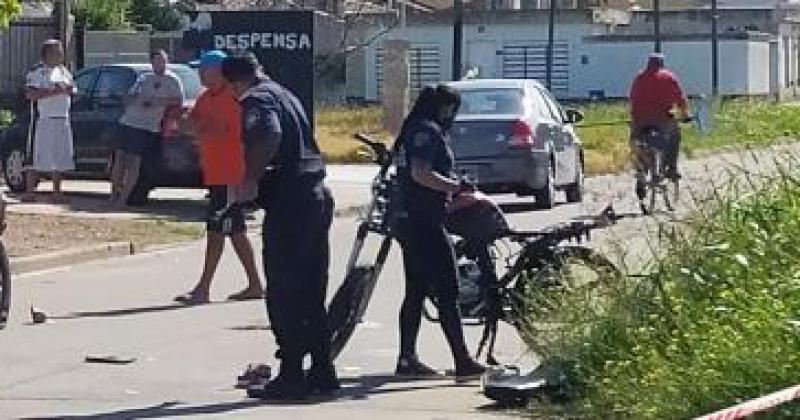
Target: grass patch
x: 716, y: 321
x: 739, y: 123
x: 335, y: 128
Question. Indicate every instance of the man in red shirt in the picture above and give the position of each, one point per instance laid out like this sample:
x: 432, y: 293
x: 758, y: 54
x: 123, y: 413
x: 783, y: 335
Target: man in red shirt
x: 216, y: 121
x: 654, y: 95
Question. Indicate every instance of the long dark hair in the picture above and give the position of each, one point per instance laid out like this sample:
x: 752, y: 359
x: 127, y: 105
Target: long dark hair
x: 428, y: 105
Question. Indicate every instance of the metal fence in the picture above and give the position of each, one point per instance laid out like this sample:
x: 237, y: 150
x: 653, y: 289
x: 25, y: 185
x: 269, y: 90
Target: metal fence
x: 19, y: 51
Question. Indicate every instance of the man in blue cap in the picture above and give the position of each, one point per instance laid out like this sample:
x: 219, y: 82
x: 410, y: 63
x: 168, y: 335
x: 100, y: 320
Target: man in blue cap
x: 216, y: 122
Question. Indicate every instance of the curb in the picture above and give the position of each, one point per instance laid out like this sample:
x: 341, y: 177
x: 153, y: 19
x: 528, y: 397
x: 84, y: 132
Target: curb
x: 58, y: 259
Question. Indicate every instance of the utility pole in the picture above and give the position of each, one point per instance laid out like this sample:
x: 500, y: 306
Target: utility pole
x: 458, y: 38
x: 714, y: 49
x: 551, y: 44
x: 657, y: 24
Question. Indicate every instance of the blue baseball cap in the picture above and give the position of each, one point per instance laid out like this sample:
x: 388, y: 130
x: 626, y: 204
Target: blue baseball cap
x: 213, y: 58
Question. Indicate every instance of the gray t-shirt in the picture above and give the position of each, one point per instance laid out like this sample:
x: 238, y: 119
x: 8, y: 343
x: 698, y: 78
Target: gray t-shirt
x: 148, y: 100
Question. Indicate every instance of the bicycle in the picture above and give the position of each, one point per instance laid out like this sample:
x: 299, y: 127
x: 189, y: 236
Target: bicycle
x: 549, y: 272
x: 5, y: 273
x: 534, y: 270
x: 653, y: 179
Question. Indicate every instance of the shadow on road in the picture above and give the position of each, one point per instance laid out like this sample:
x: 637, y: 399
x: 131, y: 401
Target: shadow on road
x: 176, y: 210
x: 165, y: 410
x: 114, y: 313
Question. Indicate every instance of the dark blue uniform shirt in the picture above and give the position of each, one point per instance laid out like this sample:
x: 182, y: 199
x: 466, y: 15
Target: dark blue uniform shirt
x: 298, y: 169
x: 425, y: 141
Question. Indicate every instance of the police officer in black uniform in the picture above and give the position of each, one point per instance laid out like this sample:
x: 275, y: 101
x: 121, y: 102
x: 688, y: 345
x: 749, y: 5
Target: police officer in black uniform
x: 427, y: 183
x: 299, y: 210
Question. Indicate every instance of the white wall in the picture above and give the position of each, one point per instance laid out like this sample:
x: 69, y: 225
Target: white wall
x: 610, y: 66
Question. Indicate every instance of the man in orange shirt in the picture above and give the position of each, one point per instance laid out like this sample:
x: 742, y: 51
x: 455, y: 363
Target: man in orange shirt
x: 215, y: 121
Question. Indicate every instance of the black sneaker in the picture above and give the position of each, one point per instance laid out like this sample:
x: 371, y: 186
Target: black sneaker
x: 412, y: 368
x: 469, y: 371
x: 280, y: 390
x: 323, y: 380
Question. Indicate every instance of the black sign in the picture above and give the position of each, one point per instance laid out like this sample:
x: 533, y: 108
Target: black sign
x: 282, y: 40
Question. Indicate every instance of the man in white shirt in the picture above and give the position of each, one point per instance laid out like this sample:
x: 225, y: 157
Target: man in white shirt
x: 140, y: 126
x: 50, y: 86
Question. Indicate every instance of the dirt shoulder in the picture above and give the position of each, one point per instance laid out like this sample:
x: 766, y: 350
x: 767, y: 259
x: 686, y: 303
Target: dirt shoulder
x: 38, y: 234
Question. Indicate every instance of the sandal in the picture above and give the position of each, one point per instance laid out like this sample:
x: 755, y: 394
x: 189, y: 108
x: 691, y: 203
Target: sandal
x: 192, y: 299
x: 246, y: 295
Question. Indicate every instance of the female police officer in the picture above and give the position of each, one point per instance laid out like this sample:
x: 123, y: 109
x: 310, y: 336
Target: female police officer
x: 427, y: 183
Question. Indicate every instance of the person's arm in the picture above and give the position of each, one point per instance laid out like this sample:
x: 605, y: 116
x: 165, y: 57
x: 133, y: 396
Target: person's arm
x: 679, y: 98
x: 35, y: 87
x: 422, y: 152
x: 262, y: 135
x: 134, y: 92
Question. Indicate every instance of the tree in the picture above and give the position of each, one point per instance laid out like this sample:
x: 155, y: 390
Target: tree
x: 9, y: 9
x: 161, y: 14
x: 101, y: 15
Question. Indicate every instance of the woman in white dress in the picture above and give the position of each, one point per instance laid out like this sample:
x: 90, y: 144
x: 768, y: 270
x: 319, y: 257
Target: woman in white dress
x: 51, y: 87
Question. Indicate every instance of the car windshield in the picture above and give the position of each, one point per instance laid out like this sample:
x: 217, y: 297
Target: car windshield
x: 491, y: 102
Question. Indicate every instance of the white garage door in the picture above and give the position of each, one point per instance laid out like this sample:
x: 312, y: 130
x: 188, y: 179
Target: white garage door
x: 528, y: 60
x: 425, y: 61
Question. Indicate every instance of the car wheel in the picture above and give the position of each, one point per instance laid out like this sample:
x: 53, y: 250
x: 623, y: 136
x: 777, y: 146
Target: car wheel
x: 574, y: 191
x: 546, y: 197
x: 14, y: 170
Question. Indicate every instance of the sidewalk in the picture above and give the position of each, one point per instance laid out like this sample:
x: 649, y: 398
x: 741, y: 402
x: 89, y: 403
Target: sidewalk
x: 350, y: 185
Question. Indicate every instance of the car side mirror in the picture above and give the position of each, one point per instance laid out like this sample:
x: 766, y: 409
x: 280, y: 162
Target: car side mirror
x: 574, y: 116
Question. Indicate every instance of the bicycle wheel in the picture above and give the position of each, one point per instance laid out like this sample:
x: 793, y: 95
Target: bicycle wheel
x: 560, y: 297
x: 5, y: 287
x: 345, y: 310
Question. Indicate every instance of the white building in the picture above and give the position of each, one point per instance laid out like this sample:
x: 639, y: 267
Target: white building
x: 592, y: 57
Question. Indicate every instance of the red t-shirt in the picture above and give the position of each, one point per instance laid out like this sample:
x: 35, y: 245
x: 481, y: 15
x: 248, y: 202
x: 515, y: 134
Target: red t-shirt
x: 217, y: 119
x: 653, y: 95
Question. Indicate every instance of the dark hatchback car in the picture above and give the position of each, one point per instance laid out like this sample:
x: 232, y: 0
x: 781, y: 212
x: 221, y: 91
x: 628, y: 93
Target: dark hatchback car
x: 96, y: 110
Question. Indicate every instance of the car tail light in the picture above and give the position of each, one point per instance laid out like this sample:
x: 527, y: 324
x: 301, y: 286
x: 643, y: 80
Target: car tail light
x: 522, y: 136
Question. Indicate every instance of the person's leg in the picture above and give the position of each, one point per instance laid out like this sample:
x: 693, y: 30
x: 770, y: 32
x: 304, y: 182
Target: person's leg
x: 215, y: 244
x: 133, y: 162
x: 673, y: 131
x: 115, y: 177
x: 322, y: 375
x: 31, y: 180
x: 58, y: 194
x: 244, y: 250
x: 413, y: 249
x: 284, y: 295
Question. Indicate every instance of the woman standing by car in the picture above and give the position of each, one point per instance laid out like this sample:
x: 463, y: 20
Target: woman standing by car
x: 427, y: 184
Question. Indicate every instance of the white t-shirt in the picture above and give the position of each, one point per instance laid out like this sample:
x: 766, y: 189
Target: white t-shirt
x: 142, y: 112
x: 47, y: 78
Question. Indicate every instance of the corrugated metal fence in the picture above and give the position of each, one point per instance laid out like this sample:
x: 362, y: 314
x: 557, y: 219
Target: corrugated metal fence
x: 19, y: 51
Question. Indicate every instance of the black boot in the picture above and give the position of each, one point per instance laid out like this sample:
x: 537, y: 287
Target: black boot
x: 289, y: 385
x: 322, y: 380
x: 469, y: 370
x: 410, y: 367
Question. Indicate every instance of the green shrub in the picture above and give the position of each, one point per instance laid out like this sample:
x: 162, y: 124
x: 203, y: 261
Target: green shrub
x: 715, y: 321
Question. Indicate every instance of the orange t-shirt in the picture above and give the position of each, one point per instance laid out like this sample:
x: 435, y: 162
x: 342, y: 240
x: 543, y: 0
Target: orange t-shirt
x: 217, y: 118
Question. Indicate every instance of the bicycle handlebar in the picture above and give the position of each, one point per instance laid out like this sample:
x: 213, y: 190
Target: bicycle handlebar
x: 567, y: 230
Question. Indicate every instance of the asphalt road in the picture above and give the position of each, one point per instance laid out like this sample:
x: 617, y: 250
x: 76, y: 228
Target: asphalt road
x: 187, y: 358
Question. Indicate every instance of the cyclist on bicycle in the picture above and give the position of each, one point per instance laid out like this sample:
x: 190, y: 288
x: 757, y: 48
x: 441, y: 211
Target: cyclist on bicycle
x: 427, y: 184
x: 654, y: 94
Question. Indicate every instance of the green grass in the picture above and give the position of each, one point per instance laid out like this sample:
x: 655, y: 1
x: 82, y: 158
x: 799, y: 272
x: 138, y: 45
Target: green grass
x: 739, y: 123
x: 335, y: 128
x: 716, y: 321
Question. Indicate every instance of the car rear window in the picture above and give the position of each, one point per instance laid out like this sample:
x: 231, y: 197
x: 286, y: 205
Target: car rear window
x: 491, y: 102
